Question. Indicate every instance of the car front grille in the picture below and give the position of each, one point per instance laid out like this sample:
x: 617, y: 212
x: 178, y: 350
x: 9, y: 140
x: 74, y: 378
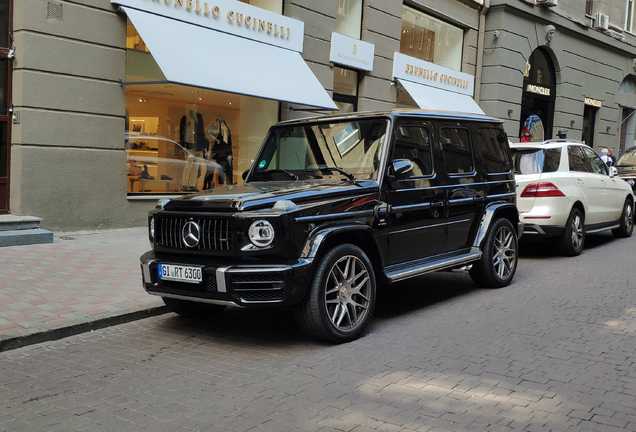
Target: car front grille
x: 215, y: 234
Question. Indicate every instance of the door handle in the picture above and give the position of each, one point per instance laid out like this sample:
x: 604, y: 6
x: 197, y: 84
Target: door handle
x: 479, y: 197
x: 603, y: 182
x: 436, y: 204
x: 579, y: 181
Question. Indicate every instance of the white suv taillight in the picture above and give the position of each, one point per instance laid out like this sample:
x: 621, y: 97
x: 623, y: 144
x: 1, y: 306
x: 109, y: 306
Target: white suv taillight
x: 540, y: 190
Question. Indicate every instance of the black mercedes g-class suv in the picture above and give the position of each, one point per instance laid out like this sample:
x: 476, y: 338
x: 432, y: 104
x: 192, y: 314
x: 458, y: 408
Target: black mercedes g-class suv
x: 333, y: 206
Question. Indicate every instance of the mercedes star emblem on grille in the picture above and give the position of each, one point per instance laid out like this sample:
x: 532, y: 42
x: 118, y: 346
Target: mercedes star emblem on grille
x: 191, y: 233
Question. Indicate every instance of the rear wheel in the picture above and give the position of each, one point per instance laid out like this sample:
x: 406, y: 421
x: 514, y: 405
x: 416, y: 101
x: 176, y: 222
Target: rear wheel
x: 498, y: 262
x: 190, y: 309
x: 627, y: 221
x: 573, y: 237
x: 341, y: 299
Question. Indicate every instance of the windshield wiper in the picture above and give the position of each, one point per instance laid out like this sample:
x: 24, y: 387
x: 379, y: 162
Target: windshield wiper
x: 345, y: 173
x: 289, y: 173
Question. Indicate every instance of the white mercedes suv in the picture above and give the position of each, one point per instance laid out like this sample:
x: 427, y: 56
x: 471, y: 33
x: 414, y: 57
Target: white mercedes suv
x: 565, y: 191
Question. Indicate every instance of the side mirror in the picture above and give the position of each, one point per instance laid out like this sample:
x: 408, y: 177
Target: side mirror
x: 402, y: 168
x: 613, y: 171
x: 244, y: 175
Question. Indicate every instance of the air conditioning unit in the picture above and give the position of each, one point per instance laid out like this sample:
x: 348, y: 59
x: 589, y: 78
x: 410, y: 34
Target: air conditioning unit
x: 601, y: 21
x: 547, y: 3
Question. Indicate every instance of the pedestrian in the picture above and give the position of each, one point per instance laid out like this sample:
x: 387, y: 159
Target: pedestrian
x: 605, y: 157
x: 612, y: 157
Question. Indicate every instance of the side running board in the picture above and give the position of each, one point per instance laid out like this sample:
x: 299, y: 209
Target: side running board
x: 419, y: 267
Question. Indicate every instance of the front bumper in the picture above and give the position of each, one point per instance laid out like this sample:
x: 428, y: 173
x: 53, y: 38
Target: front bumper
x: 230, y: 284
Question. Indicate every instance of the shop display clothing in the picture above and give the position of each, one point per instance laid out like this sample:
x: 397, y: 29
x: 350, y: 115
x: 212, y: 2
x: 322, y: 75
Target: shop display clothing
x: 191, y: 170
x: 222, y: 147
x: 192, y: 132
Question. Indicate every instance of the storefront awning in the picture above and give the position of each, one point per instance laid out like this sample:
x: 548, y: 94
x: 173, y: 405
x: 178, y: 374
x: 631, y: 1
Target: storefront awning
x: 196, y: 56
x: 427, y: 97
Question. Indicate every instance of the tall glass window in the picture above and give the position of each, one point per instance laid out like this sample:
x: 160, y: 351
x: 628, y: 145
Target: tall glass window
x: 589, y: 6
x: 589, y: 121
x: 345, y: 89
x: 349, y: 17
x: 629, y: 14
x: 430, y: 39
x: 4, y: 23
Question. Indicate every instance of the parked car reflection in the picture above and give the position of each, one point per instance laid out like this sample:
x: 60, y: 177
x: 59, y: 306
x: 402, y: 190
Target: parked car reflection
x: 157, y: 164
x: 626, y: 167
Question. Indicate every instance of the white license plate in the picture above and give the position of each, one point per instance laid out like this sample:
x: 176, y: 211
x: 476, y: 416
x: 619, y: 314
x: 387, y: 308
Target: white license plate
x: 180, y: 273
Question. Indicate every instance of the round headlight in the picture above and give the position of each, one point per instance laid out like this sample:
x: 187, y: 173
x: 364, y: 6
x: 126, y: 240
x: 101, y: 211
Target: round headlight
x: 151, y: 227
x: 261, y: 233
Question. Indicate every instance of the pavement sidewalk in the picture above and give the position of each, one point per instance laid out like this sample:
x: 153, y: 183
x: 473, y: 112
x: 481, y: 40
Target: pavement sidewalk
x: 82, y: 281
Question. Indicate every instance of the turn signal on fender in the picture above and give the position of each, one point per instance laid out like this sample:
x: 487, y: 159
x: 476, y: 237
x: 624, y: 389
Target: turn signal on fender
x: 541, y: 190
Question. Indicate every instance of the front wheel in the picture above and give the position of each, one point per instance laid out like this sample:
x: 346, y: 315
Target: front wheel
x: 193, y: 310
x: 341, y: 298
x: 498, y: 262
x: 627, y: 221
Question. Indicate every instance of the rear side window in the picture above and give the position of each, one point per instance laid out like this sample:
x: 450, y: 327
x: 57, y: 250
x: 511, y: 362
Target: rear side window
x: 494, y: 150
x: 458, y: 153
x: 578, y: 161
x: 536, y: 161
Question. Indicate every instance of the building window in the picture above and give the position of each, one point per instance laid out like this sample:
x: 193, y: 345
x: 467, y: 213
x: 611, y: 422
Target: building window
x: 349, y: 18
x: 345, y: 89
x: 589, y: 7
x: 430, y: 39
x: 629, y: 20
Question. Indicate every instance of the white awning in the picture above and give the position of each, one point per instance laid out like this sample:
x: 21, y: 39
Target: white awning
x: 196, y: 56
x: 427, y: 97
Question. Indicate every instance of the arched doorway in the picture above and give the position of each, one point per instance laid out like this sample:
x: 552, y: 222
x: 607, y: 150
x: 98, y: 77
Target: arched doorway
x: 539, y: 94
x: 628, y: 112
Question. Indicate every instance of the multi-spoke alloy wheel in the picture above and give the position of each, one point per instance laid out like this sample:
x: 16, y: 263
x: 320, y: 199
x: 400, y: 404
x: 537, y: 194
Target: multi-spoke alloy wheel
x: 498, y: 263
x: 572, y: 239
x: 347, y: 293
x: 505, y: 252
x: 627, y: 221
x: 341, y: 299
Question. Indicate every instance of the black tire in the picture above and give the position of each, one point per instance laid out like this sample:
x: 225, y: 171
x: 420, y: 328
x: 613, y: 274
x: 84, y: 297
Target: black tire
x: 341, y: 298
x: 500, y: 254
x: 572, y: 240
x: 627, y: 221
x: 192, y: 310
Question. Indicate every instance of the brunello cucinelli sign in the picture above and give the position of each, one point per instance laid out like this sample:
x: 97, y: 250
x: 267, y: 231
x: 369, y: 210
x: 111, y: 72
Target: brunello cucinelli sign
x: 351, y: 52
x: 423, y: 72
x: 593, y: 102
x: 228, y: 16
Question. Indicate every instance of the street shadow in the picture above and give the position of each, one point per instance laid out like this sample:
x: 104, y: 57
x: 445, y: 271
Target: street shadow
x: 545, y: 248
x: 277, y: 326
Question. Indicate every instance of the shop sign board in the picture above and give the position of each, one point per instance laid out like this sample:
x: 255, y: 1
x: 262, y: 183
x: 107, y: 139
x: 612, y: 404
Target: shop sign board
x: 351, y: 52
x: 228, y: 16
x: 543, y: 91
x: 593, y: 102
x: 427, y: 73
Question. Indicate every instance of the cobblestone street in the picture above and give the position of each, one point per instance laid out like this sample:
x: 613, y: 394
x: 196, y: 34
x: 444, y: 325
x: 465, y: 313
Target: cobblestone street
x: 553, y: 351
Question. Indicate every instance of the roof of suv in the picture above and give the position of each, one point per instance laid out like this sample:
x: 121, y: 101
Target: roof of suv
x: 400, y: 112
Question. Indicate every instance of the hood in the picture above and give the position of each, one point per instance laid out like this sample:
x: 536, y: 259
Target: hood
x: 261, y: 195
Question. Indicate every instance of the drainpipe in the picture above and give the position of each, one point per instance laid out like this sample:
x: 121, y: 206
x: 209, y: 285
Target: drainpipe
x: 480, y: 48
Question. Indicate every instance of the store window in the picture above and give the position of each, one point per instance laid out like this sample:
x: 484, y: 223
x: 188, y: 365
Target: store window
x: 345, y: 89
x: 349, y: 18
x: 430, y: 39
x: 181, y: 138
x: 4, y: 23
x: 589, y: 120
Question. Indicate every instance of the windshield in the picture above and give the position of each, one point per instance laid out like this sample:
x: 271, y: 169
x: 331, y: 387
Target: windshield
x: 628, y: 159
x: 536, y: 161
x: 344, y: 149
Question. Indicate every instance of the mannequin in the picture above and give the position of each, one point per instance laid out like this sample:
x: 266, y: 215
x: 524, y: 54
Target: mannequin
x: 192, y: 138
x: 221, y: 138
